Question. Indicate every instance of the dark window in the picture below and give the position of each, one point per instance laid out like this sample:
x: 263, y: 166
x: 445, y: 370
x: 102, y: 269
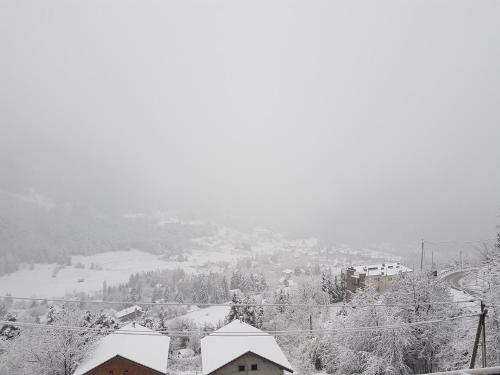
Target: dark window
x: 254, y: 367
x: 241, y: 368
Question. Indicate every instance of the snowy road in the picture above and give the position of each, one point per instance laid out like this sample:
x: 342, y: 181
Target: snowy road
x: 458, y: 281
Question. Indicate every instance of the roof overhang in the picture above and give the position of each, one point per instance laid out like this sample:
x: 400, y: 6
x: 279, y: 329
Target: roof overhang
x: 255, y: 354
x: 154, y: 371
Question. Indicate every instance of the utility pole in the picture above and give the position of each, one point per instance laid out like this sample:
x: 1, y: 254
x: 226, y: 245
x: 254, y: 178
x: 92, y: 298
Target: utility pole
x: 480, y: 330
x: 432, y: 260
x: 483, y: 346
x: 461, y: 262
x: 422, y: 257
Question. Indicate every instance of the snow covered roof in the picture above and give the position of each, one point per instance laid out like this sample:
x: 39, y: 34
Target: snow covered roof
x: 128, y: 310
x: 227, y: 344
x: 141, y: 345
x: 381, y: 269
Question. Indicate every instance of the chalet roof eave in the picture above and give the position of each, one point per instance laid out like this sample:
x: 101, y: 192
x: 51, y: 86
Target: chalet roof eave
x: 255, y: 354
x: 118, y: 356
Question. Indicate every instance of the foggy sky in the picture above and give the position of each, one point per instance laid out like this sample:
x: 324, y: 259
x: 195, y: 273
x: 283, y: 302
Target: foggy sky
x: 360, y: 121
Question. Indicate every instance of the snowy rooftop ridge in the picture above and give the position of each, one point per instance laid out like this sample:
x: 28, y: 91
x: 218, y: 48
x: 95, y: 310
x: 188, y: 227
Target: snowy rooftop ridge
x: 381, y: 269
x: 141, y: 345
x: 228, y: 343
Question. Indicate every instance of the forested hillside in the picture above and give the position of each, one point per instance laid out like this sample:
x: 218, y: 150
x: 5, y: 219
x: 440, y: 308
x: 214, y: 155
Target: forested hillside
x: 34, y: 230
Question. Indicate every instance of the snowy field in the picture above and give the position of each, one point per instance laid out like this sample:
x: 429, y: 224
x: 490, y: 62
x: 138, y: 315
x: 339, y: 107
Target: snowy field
x: 209, y: 315
x: 113, y: 268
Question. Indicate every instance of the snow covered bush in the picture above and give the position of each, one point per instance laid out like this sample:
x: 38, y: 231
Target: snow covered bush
x: 370, y: 351
x: 54, y: 350
x: 432, y: 344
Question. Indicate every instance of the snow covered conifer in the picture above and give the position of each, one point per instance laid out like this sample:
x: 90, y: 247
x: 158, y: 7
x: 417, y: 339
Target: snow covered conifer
x: 9, y: 331
x: 236, y: 311
x: 247, y: 311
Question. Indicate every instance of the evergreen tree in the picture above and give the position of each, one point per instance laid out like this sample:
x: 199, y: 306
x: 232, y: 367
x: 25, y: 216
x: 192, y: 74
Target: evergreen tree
x: 104, y: 290
x: 157, y: 295
x: 179, y: 297
x: 100, y: 320
x: 235, y: 280
x: 9, y: 331
x: 167, y: 293
x: 282, y: 299
x: 3, y: 309
x: 236, y: 312
x: 260, y: 283
x: 147, y: 321
x: 203, y: 291
x: 162, y: 319
x: 248, y: 312
x: 51, y: 314
x: 225, y: 288
x: 331, y: 286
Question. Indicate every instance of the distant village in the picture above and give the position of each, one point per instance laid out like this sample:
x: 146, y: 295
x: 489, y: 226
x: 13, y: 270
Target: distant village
x: 266, y: 315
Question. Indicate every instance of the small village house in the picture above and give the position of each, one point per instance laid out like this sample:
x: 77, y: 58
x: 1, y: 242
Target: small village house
x: 238, y: 348
x: 130, y: 313
x: 183, y: 353
x: 131, y: 350
x: 382, y: 275
x: 287, y: 273
x: 286, y: 278
x: 236, y: 292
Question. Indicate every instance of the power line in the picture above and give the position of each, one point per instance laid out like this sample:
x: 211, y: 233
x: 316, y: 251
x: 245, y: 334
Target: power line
x: 305, y: 332
x: 62, y: 300
x: 458, y: 242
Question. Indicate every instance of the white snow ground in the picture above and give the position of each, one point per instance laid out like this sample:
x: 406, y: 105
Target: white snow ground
x: 209, y: 315
x: 117, y: 266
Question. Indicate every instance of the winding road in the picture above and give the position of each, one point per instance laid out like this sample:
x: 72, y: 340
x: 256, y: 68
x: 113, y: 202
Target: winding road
x: 456, y: 281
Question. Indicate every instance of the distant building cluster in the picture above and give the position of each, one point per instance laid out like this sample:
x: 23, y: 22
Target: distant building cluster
x: 381, y: 275
x: 286, y: 278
